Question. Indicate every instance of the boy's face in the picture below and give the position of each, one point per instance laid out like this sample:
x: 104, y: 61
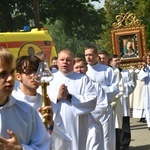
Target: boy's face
x: 103, y: 59
x: 7, y: 79
x: 115, y: 62
x: 148, y: 60
x: 90, y: 56
x: 27, y: 79
x: 54, y: 62
x: 80, y: 67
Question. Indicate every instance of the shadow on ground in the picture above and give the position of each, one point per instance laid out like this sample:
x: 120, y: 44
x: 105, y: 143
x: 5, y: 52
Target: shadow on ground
x: 144, y: 147
x: 139, y: 126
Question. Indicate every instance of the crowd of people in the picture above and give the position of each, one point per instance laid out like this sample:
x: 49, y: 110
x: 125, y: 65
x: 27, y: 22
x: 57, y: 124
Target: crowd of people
x: 89, y: 101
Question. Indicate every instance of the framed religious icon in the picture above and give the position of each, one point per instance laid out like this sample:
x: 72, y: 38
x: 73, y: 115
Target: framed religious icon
x: 129, y: 43
x: 128, y: 39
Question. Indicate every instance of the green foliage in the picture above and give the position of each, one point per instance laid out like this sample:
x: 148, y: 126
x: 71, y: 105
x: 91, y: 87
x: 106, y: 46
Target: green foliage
x: 62, y: 40
x: 15, y: 14
x: 142, y: 11
x: 73, y: 24
x: 104, y: 43
x: 79, y: 18
x: 140, y: 8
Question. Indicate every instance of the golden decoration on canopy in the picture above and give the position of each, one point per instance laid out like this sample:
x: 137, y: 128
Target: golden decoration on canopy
x: 126, y: 20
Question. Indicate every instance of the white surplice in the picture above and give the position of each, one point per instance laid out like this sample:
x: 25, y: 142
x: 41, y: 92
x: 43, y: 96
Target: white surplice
x: 116, y: 103
x: 34, y: 101
x: 26, y: 124
x: 129, y: 86
x: 104, y: 75
x: 71, y: 118
x: 131, y: 96
x: 144, y: 76
x: 95, y: 139
x: 138, y: 98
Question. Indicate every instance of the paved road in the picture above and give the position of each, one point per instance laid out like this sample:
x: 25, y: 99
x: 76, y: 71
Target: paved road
x: 140, y: 135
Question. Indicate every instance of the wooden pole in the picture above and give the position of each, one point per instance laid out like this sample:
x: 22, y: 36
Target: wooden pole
x: 36, y: 13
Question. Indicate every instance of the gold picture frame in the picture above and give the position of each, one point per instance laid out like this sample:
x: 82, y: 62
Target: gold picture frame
x: 128, y: 40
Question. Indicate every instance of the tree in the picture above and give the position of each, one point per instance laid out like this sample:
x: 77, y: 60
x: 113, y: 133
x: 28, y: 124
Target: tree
x: 140, y: 8
x: 62, y: 40
x: 71, y: 24
x: 15, y: 14
x: 142, y: 11
x: 79, y: 18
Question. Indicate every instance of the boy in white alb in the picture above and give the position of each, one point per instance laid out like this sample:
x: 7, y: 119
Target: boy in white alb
x: 103, y: 75
x: 26, y: 67
x: 19, y: 122
x: 95, y: 139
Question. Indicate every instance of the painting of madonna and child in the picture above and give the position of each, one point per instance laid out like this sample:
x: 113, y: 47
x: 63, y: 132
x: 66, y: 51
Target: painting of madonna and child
x: 129, y: 47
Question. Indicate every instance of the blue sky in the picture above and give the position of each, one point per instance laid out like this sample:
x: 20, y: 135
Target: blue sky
x: 97, y: 4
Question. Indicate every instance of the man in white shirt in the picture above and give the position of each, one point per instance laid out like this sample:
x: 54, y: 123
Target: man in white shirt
x: 95, y: 139
x: 144, y: 76
x: 103, y: 75
x: 73, y: 97
x: 129, y: 86
x: 20, y: 125
x: 26, y: 67
x: 104, y: 57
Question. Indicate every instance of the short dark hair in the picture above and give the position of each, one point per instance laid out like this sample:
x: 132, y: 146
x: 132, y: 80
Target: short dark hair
x: 111, y: 57
x: 54, y: 58
x: 27, y: 64
x: 104, y: 52
x: 92, y: 47
x: 80, y: 59
x: 53, y: 66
